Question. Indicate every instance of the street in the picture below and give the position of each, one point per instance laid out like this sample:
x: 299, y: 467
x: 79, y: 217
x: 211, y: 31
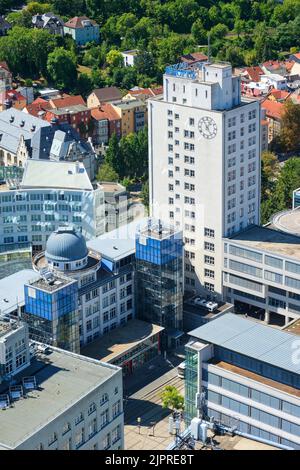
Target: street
x: 143, y: 401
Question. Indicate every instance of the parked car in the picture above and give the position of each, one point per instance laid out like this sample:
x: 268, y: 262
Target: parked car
x: 211, y: 306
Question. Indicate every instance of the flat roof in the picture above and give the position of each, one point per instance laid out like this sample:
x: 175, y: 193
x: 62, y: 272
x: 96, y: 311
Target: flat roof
x: 57, y: 283
x: 58, y: 175
x: 270, y: 240
x: 288, y: 221
x: 293, y: 327
x: 118, y: 243
x: 251, y: 339
x: 12, y: 289
x: 258, y: 378
x: 111, y: 187
x: 63, y: 378
x: 117, y: 342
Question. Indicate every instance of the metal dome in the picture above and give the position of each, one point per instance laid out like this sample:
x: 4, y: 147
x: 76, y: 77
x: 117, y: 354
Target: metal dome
x: 66, y: 245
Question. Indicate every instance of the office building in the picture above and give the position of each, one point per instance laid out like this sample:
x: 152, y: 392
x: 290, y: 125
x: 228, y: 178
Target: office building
x: 248, y: 376
x: 50, y: 194
x: 262, y: 269
x: 101, y: 273
x: 159, y: 278
x: 204, y: 151
x: 51, y: 311
x: 62, y: 401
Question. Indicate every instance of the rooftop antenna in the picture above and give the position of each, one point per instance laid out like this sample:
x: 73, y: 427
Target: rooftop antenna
x: 208, y: 45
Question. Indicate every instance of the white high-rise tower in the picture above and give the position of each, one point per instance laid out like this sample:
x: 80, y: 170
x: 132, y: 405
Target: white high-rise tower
x: 204, y: 152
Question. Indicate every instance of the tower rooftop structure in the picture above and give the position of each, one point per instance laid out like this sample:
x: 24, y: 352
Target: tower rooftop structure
x: 66, y: 245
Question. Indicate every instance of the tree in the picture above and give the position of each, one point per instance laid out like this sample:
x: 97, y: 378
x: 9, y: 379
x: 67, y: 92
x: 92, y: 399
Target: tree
x: 35, y: 7
x: 84, y: 84
x: 269, y: 173
x: 290, y: 127
x: 145, y: 195
x: 113, y: 155
x: 199, y: 33
x: 61, y: 68
x: 171, y: 398
x: 114, y: 59
x: 107, y: 173
x: 288, y: 181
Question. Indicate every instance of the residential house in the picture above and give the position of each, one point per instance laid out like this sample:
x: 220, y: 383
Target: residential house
x: 49, y: 22
x: 77, y: 116
x: 274, y: 111
x: 278, y: 95
x: 103, y: 95
x: 82, y: 30
x: 295, y: 57
x: 38, y: 108
x: 133, y: 114
x: 252, y: 74
x: 130, y: 57
x: 5, y: 77
x: 143, y: 94
x: 106, y: 123
x: 193, y: 58
x: 4, y: 26
x: 275, y: 66
x: 275, y: 80
x: 66, y: 100
x: 23, y: 136
x: 12, y: 99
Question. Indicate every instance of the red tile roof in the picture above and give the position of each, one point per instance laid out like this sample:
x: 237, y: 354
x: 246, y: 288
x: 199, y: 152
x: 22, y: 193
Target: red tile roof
x: 273, y: 109
x: 297, y: 55
x: 193, y: 57
x: 279, y: 94
x: 254, y: 73
x: 147, y: 91
x: 3, y: 65
x: 14, y: 95
x: 37, y: 106
x: 105, y: 111
x: 67, y: 100
x: 76, y: 22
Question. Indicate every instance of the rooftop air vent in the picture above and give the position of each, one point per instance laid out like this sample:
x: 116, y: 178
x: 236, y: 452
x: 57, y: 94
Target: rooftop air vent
x: 12, y: 118
x: 22, y: 124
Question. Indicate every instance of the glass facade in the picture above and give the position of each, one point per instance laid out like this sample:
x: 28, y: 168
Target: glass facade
x: 159, y: 279
x: 191, y: 383
x: 53, y: 316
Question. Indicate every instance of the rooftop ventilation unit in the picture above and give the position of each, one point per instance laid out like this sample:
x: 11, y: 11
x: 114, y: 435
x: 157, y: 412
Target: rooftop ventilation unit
x: 29, y: 384
x: 22, y: 124
x: 15, y: 392
x: 4, y: 402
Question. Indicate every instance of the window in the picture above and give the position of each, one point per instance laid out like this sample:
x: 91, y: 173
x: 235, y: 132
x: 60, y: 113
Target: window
x: 79, y: 418
x: 116, y: 409
x: 66, y: 428
x: 115, y: 434
x: 208, y: 232
x: 209, y: 260
x: 104, y: 419
x: 79, y: 437
x: 92, y: 408
x: 209, y: 246
x: 209, y: 273
x: 52, y: 439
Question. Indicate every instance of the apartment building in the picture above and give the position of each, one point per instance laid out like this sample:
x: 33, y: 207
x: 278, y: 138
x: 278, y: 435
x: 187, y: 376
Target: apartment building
x: 204, y: 152
x: 248, y: 376
x: 14, y: 351
x: 133, y: 115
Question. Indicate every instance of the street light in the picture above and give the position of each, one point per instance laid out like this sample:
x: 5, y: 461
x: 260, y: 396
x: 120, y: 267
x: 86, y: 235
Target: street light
x: 139, y: 424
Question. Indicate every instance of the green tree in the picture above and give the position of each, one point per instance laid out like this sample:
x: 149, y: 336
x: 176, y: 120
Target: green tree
x: 288, y: 181
x: 145, y: 195
x: 113, y: 155
x: 35, y: 7
x: 290, y: 127
x: 198, y: 32
x: 84, y: 85
x: 107, y: 173
x: 61, y: 68
x: 114, y: 59
x: 171, y: 398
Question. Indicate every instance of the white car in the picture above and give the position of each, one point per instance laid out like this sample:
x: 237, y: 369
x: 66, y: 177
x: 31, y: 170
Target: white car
x: 211, y: 306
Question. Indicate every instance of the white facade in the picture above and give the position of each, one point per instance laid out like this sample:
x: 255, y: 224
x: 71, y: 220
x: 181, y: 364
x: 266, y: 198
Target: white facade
x: 14, y: 348
x: 204, y: 151
x: 79, y: 407
x: 51, y: 194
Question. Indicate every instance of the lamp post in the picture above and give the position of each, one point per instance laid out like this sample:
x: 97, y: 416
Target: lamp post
x: 139, y: 424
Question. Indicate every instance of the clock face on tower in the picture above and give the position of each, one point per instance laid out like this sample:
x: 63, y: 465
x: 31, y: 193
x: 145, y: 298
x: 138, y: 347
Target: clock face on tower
x: 207, y: 127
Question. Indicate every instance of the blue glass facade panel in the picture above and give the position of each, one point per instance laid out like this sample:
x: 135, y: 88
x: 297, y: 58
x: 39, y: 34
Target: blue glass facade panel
x: 159, y: 252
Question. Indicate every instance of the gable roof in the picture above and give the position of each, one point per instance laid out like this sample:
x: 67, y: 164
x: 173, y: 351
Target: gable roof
x: 67, y: 100
x: 193, y: 57
x: 110, y: 93
x: 273, y: 109
x: 37, y: 106
x: 254, y: 73
x: 76, y: 22
x: 279, y: 94
x: 105, y: 111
